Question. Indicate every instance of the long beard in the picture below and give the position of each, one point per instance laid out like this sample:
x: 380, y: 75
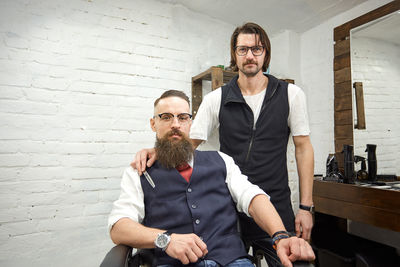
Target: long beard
x: 172, y: 153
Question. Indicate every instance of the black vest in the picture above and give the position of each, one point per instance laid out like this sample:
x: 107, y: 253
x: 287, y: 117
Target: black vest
x: 203, y: 206
x: 259, y: 151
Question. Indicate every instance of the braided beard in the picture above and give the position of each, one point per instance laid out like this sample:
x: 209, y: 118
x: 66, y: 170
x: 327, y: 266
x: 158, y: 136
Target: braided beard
x: 172, y: 153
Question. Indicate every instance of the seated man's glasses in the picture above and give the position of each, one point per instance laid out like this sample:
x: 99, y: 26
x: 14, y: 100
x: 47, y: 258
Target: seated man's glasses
x: 256, y: 50
x: 183, y: 118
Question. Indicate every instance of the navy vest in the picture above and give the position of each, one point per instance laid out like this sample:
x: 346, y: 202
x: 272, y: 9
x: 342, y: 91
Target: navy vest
x: 259, y: 151
x: 203, y: 206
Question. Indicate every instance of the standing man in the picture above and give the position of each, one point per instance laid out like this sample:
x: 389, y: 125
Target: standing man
x: 255, y: 114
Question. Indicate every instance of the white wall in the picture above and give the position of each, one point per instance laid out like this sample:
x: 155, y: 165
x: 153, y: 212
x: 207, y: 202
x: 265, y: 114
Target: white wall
x: 376, y: 64
x: 77, y: 83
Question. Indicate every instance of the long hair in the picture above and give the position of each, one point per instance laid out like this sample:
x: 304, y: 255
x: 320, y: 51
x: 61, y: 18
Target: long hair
x: 261, y: 36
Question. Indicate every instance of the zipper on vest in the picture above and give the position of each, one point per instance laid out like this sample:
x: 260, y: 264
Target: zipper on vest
x: 251, y: 143
x: 254, y: 124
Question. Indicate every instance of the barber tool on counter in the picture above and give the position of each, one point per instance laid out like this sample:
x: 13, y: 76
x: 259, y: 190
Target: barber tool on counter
x: 372, y: 165
x: 332, y: 170
x: 348, y: 164
x: 362, y: 174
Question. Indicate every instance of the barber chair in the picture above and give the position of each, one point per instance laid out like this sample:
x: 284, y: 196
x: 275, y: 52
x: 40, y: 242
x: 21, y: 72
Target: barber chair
x: 121, y: 256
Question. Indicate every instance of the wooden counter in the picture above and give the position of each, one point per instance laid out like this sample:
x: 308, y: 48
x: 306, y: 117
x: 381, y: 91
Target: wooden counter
x: 378, y: 207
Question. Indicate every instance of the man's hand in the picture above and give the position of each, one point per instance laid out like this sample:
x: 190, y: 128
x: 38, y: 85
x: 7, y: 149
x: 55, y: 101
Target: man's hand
x: 304, y: 224
x: 186, y: 248
x: 140, y: 162
x: 294, y: 249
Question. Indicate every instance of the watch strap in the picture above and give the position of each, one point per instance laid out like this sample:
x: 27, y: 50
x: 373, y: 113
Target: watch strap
x: 307, y: 208
x: 279, y: 237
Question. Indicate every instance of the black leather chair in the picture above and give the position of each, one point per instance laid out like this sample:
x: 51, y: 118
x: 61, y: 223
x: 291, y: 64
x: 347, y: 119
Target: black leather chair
x: 121, y: 256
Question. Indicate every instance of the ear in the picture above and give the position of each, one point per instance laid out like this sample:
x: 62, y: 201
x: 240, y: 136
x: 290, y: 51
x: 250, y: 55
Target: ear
x: 152, y: 124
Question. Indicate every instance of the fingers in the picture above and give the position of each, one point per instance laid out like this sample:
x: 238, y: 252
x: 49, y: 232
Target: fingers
x: 186, y: 248
x: 297, y: 225
x: 308, y: 252
x: 304, y: 223
x: 306, y: 234
x: 151, y: 160
x: 293, y: 249
x: 202, y: 246
x: 140, y: 161
x: 283, y: 256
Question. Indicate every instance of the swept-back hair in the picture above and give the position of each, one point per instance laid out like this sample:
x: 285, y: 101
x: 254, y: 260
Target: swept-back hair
x: 170, y: 93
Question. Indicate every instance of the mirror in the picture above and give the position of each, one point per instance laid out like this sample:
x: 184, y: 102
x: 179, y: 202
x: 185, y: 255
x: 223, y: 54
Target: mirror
x: 375, y: 65
x: 343, y: 87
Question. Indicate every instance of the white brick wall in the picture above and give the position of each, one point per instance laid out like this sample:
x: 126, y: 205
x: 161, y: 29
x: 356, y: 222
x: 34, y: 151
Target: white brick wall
x: 77, y: 84
x: 376, y: 64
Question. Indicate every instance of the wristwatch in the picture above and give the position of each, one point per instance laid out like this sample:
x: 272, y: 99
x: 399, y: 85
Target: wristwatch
x: 162, y: 240
x: 307, y: 208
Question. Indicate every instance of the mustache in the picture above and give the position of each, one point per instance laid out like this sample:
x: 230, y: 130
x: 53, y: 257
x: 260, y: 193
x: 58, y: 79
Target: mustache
x: 250, y: 62
x: 174, y: 132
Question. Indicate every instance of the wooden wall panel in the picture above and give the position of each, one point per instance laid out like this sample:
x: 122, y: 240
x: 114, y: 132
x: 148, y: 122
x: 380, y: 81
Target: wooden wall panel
x: 197, y: 95
x: 343, y: 103
x: 344, y: 117
x: 341, y: 47
x: 343, y: 75
x: 343, y: 89
x: 344, y: 132
x: 342, y: 61
x: 343, y: 31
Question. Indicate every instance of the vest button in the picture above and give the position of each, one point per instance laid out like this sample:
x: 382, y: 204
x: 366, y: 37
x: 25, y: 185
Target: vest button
x: 189, y: 190
x: 194, y: 206
x: 197, y: 221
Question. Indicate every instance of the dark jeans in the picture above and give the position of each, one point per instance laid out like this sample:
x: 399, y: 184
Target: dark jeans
x: 244, y: 262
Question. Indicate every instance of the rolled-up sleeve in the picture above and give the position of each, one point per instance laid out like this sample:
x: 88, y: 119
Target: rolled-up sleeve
x: 242, y: 191
x: 130, y: 203
x: 298, y: 116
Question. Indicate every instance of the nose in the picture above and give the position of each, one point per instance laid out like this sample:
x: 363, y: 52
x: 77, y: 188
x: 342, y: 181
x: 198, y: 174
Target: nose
x: 249, y: 54
x: 175, y: 123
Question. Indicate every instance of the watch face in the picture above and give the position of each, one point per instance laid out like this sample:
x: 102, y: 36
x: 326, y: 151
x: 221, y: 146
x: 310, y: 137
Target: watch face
x: 162, y: 241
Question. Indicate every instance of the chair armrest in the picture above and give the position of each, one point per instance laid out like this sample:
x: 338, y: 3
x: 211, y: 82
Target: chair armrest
x: 117, y: 257
x: 264, y: 247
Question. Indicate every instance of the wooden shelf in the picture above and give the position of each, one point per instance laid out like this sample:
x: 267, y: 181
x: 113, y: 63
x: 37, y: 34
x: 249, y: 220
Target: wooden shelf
x: 216, y: 75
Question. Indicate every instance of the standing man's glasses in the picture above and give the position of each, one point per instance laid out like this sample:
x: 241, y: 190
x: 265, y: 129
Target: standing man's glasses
x: 256, y: 50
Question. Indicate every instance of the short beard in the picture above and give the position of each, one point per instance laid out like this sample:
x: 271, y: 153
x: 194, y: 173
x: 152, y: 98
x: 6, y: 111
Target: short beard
x: 172, y: 153
x: 252, y: 73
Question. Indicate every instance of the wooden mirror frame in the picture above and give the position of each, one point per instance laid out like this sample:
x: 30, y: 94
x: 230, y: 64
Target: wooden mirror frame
x: 343, y: 108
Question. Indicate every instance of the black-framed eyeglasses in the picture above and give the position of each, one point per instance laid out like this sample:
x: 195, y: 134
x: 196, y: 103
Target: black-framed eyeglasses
x: 169, y: 117
x: 242, y: 50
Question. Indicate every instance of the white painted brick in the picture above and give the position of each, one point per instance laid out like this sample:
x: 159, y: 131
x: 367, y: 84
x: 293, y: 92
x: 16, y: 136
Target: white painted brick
x: 14, y: 214
x: 14, y: 160
x: 78, y: 82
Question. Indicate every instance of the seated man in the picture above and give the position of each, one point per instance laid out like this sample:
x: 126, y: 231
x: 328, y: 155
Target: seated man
x: 185, y: 206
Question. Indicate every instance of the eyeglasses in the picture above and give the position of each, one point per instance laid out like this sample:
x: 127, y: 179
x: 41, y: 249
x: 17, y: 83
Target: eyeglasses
x: 256, y: 50
x: 183, y: 118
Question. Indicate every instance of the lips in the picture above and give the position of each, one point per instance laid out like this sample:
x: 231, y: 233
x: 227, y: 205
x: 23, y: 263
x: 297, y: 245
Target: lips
x: 250, y: 63
x: 175, y: 133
